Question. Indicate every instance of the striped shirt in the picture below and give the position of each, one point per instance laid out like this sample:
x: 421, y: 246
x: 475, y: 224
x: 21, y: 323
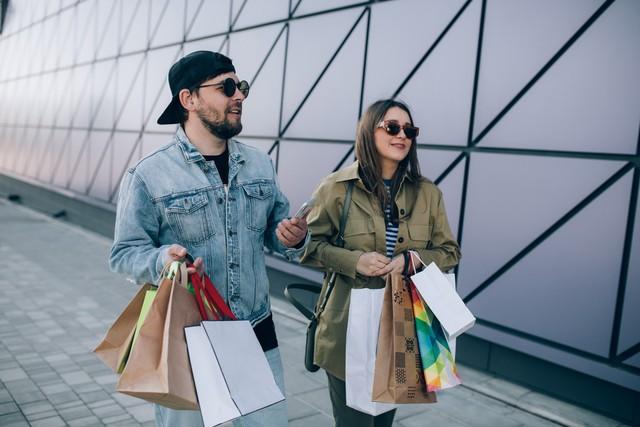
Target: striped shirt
x: 391, y: 234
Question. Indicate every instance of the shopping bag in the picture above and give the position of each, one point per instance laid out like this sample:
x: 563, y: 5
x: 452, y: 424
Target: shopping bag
x: 398, y: 376
x: 231, y: 373
x: 158, y: 368
x: 365, y: 307
x: 443, y: 300
x: 116, y: 344
x: 438, y: 366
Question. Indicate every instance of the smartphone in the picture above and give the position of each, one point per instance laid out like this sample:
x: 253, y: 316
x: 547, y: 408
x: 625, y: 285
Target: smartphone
x: 305, y: 208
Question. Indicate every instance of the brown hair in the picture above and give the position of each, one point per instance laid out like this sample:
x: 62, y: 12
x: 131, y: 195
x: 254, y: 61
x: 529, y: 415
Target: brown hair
x: 370, y: 168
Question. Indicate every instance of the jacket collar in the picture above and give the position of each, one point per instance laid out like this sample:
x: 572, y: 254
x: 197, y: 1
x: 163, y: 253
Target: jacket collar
x: 351, y: 172
x: 192, y: 155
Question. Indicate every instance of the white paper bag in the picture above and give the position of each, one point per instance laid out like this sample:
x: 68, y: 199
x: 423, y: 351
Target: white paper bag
x: 365, y: 307
x: 231, y: 373
x: 443, y: 300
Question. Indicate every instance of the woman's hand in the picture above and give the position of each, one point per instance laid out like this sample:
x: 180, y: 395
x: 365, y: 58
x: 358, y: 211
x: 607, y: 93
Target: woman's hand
x: 371, y: 264
x: 395, y: 266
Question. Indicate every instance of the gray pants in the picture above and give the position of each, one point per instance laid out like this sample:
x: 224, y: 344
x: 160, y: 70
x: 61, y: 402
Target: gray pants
x: 272, y: 416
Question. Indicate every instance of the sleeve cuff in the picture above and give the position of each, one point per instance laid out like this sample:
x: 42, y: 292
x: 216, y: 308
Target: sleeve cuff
x: 345, y: 262
x: 293, y: 254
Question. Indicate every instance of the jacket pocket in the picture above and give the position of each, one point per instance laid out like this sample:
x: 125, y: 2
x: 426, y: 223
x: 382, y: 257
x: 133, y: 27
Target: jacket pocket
x: 258, y: 200
x: 420, y: 235
x: 190, y: 217
x: 359, y: 234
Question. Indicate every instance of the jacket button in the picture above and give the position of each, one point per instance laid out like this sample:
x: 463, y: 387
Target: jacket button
x: 401, y: 211
x: 400, y: 239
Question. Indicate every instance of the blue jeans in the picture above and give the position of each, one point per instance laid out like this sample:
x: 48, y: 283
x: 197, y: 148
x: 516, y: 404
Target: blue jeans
x: 272, y: 416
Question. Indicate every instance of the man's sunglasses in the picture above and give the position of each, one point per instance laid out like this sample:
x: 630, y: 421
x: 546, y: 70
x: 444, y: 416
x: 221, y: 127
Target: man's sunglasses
x: 393, y: 128
x: 229, y: 87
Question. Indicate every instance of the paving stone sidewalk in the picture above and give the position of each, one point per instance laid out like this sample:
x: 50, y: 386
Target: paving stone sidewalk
x: 57, y: 298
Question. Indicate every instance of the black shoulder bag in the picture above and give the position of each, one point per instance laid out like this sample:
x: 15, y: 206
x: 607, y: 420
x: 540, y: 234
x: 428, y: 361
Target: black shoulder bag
x: 313, y: 317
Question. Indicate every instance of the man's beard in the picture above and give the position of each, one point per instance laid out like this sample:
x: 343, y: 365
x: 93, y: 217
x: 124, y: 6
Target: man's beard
x: 222, y: 129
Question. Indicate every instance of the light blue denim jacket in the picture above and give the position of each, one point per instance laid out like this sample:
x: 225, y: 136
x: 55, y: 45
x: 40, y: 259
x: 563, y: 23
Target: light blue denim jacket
x: 174, y: 196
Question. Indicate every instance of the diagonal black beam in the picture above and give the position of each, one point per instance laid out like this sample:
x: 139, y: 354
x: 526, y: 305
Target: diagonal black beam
x: 364, y: 78
x: 593, y: 18
x: 317, y: 81
x: 626, y: 257
x: 85, y: 143
x: 268, y: 55
x: 109, y: 142
x: 630, y: 352
x: 474, y: 96
x: 324, y: 71
x: 558, y: 346
x: 431, y: 48
x: 549, y: 231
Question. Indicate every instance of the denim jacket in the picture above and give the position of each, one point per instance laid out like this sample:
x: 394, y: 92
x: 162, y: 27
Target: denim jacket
x: 174, y: 196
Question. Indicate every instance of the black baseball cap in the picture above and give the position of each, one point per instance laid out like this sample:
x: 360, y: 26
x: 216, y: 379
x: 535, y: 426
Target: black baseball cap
x: 189, y: 72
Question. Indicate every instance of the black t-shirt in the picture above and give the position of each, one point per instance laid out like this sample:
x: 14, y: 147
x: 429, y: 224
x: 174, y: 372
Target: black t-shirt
x: 222, y: 164
x: 266, y: 333
x: 265, y: 330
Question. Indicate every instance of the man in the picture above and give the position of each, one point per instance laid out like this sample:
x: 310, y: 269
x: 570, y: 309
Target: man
x: 212, y: 197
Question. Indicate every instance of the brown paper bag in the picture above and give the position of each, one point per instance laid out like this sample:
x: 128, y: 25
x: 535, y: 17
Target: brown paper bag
x: 116, y: 344
x: 398, y: 374
x: 158, y: 369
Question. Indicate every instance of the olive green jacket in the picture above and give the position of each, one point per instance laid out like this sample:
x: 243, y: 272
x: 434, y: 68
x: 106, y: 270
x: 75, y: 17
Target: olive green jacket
x: 423, y: 227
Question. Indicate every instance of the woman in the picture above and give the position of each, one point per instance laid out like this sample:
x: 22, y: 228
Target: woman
x: 393, y: 210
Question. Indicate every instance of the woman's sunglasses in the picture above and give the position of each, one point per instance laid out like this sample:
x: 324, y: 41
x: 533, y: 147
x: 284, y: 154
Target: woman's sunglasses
x: 393, y: 128
x: 229, y: 87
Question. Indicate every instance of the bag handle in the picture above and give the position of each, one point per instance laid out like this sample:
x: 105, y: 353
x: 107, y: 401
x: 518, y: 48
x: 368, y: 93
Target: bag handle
x: 332, y: 280
x: 208, y: 297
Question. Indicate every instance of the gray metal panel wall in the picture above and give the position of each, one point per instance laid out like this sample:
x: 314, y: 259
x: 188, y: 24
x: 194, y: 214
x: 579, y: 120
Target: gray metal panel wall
x: 529, y: 113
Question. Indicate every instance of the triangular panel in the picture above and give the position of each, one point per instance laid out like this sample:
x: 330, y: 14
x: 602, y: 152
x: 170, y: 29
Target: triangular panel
x: 418, y: 31
x: 261, y: 110
x: 565, y: 289
x: 451, y: 187
x: 434, y: 162
x: 303, y: 66
x: 130, y: 92
x: 157, y: 93
x: 306, y: 7
x: 171, y: 26
x: 630, y: 327
x: 440, y: 91
x: 261, y: 11
x: 297, y: 180
x: 104, y: 94
x: 341, y: 82
x: 584, y: 102
x: 108, y: 15
x: 512, y: 199
x: 135, y: 25
x: 207, y: 17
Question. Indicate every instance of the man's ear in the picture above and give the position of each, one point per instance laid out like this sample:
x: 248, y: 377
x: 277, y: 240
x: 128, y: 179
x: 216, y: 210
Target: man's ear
x: 185, y: 96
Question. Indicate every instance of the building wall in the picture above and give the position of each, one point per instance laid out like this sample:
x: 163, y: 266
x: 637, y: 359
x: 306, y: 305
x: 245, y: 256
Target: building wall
x: 529, y: 113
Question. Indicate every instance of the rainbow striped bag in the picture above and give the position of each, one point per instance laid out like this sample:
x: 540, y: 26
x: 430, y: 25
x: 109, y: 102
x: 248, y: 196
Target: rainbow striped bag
x: 438, y: 365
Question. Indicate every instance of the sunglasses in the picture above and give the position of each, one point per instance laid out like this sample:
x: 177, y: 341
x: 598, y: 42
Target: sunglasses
x: 393, y: 128
x: 229, y: 87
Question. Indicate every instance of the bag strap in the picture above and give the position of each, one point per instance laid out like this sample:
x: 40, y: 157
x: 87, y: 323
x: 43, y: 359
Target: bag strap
x: 207, y: 297
x: 314, y: 288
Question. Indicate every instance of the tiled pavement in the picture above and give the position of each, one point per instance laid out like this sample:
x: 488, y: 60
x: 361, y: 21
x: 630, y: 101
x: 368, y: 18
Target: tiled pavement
x: 57, y: 297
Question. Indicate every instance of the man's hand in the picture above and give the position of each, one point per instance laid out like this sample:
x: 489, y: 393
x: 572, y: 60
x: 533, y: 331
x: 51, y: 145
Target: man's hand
x: 178, y: 253
x: 372, y: 263
x: 292, y: 231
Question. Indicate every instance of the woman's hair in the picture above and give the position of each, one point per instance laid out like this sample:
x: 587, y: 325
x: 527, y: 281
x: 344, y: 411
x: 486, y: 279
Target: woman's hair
x: 370, y: 167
